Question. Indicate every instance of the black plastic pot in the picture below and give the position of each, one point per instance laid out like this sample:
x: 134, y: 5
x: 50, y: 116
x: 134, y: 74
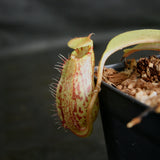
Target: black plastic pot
x: 142, y: 142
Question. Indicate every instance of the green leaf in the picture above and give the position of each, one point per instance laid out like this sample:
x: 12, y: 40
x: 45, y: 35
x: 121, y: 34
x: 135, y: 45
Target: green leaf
x: 140, y: 47
x: 133, y: 37
x: 150, y: 36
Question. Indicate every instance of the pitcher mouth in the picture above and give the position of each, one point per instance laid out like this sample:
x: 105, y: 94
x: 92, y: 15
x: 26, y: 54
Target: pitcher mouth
x: 80, y: 52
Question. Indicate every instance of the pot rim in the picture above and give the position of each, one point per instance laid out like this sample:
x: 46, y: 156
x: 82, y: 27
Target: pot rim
x: 120, y: 66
